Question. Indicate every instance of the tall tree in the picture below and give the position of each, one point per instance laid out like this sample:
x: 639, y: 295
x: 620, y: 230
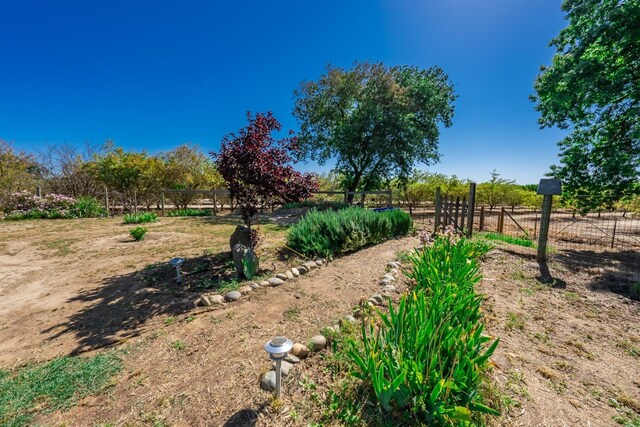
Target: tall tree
x: 376, y: 121
x: 18, y: 169
x: 593, y: 88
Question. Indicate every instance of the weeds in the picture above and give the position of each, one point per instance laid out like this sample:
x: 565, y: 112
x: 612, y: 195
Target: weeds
x: 519, y: 241
x: 190, y: 212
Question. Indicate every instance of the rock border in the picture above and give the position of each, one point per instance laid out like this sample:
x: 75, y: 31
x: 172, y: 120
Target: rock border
x: 318, y: 342
x: 277, y: 280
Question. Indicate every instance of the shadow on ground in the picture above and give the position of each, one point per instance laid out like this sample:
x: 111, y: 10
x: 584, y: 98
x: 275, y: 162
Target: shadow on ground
x: 119, y: 308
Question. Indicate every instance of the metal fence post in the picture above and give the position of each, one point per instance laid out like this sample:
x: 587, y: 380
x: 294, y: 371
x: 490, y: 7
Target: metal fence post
x: 472, y: 208
x: 438, y: 207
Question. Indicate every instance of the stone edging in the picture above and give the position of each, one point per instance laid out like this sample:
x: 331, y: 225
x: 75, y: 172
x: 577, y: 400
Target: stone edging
x: 319, y: 342
x: 277, y: 280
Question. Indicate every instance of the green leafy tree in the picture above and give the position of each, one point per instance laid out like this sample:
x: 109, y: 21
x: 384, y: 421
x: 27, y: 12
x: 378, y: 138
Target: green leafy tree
x: 494, y: 192
x: 375, y: 121
x: 18, y: 169
x: 592, y: 87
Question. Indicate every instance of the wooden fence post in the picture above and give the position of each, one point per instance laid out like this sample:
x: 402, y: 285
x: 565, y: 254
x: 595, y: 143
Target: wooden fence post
x: 106, y: 200
x: 390, y: 200
x: 135, y: 201
x: 472, y: 208
x: 481, y: 225
x: 455, y: 218
x: 162, y: 204
x: 39, y: 191
x: 215, y: 202
x: 438, y: 210
x: 613, y: 236
x: 501, y: 221
x: 545, y: 218
x: 463, y: 214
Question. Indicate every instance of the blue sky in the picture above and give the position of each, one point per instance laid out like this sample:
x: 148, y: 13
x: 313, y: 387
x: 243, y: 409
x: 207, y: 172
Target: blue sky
x: 155, y: 74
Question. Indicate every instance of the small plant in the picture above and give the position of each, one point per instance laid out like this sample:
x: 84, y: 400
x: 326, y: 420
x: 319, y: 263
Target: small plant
x: 86, y: 207
x: 140, y: 218
x: 514, y: 321
x: 178, y: 345
x: 138, y: 233
x: 190, y: 212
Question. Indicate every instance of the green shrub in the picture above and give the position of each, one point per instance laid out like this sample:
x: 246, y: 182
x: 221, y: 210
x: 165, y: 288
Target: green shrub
x: 330, y: 233
x: 190, y: 212
x: 138, y: 233
x: 140, y: 218
x: 86, y: 207
x: 426, y: 358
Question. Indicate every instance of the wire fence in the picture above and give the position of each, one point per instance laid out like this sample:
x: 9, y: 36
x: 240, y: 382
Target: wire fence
x: 606, y: 240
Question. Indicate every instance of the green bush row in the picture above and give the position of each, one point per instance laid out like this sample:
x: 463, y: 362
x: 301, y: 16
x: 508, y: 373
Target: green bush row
x: 330, y: 233
x: 321, y: 205
x: 84, y: 207
x: 140, y: 218
x: 425, y: 359
x: 190, y: 212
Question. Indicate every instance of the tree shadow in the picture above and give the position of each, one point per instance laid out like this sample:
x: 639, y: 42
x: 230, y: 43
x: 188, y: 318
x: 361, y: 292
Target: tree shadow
x: 245, y: 417
x: 612, y: 271
x: 546, y: 278
x: 120, y: 306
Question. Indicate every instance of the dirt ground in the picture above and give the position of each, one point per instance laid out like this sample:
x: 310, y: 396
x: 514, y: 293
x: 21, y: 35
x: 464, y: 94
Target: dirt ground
x: 569, y: 353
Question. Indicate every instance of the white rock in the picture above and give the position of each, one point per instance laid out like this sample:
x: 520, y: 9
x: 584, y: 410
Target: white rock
x: 275, y: 281
x: 216, y: 299
x: 268, y: 381
x: 289, y: 274
x: 281, y: 276
x: 318, y: 342
x: 295, y: 272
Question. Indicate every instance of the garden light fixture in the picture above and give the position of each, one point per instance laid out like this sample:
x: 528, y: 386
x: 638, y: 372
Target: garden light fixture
x: 177, y: 262
x: 278, y: 348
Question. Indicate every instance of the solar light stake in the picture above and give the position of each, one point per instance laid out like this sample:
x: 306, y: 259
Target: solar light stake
x: 278, y: 348
x: 177, y: 262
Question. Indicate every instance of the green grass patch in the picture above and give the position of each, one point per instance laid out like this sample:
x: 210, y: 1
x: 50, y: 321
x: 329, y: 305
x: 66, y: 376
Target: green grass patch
x: 498, y: 237
x: 57, y: 384
x: 140, y: 218
x: 331, y: 233
x: 190, y: 212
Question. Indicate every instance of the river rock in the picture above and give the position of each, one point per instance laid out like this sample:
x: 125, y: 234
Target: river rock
x: 300, y: 350
x: 255, y: 286
x: 310, y: 265
x: 295, y: 272
x: 319, y: 262
x: 289, y: 274
x: 216, y: 299
x: 281, y: 276
x: 389, y: 288
x: 377, y: 299
x: 318, y: 342
x: 245, y: 290
x: 285, y: 367
x: 265, y: 283
x: 292, y: 359
x: 204, y: 301
x: 268, y: 381
x: 275, y: 281
x: 232, y: 296
x: 389, y: 276
x: 303, y: 270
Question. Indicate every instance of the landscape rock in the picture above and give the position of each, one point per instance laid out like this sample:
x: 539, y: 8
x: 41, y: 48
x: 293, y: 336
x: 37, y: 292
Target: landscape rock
x: 204, y: 301
x: 255, y: 286
x: 319, y: 262
x: 240, y: 236
x: 285, y: 367
x: 275, y: 281
x: 292, y: 359
x: 281, y: 276
x: 318, y: 342
x: 303, y: 270
x: 300, y: 350
x: 265, y: 283
x: 232, y: 296
x: 389, y: 276
x: 391, y: 264
x: 289, y: 274
x: 385, y: 281
x: 216, y: 299
x: 349, y: 319
x: 245, y: 290
x: 377, y: 299
x: 310, y: 265
x: 394, y: 271
x: 295, y: 272
x: 244, y: 254
x: 389, y: 288
x: 268, y: 381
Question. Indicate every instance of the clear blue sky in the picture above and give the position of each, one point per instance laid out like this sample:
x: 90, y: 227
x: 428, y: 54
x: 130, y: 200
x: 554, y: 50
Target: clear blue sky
x: 155, y: 74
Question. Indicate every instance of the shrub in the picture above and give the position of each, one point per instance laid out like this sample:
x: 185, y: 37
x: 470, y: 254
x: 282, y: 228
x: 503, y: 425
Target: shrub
x: 190, y: 212
x: 330, y: 233
x: 140, y: 218
x: 86, y: 207
x: 138, y: 233
x: 426, y: 358
x: 24, y: 205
